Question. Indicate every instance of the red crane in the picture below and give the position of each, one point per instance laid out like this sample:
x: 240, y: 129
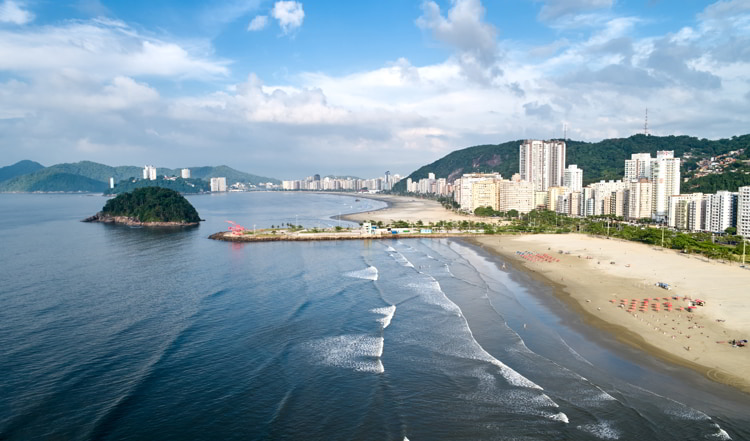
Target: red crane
x: 236, y: 228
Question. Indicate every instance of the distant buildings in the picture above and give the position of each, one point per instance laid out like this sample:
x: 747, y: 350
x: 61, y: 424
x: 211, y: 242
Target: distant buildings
x: 315, y: 183
x: 149, y: 172
x: 218, y: 184
x: 185, y: 173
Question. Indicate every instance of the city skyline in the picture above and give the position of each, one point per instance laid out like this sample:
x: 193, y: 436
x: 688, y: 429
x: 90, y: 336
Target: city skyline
x: 279, y: 87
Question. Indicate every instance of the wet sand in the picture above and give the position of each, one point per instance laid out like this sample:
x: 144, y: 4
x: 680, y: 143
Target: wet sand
x: 611, y: 296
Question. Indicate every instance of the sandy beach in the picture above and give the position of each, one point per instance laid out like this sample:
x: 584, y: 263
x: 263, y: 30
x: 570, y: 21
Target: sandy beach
x: 613, y: 284
x: 409, y: 209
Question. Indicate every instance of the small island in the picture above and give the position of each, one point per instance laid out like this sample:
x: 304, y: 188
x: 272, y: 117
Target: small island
x: 148, y: 206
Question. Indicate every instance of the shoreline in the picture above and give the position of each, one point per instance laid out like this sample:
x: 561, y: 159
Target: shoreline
x: 697, y: 340
x: 408, y: 208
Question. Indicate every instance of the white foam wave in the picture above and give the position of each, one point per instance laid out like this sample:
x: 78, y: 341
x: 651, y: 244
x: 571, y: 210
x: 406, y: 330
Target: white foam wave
x: 370, y: 273
x: 601, y: 430
x: 558, y: 417
x: 357, y: 352
x: 391, y: 249
x: 387, y: 313
x: 720, y: 434
x: 433, y: 293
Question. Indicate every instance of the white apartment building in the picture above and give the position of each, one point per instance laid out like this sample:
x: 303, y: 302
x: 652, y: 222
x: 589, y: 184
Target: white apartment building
x: 721, y: 211
x: 665, y: 178
x: 638, y: 167
x: 462, y: 187
x: 542, y: 163
x: 218, y: 184
x: 685, y: 211
x: 185, y: 173
x: 602, y: 197
x: 515, y: 194
x: 573, y: 178
x: 553, y: 194
x: 484, y: 194
x: 639, y: 199
x: 743, y: 212
x: 149, y: 172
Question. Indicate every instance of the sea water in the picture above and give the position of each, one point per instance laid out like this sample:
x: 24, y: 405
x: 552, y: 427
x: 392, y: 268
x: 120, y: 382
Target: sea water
x: 112, y: 332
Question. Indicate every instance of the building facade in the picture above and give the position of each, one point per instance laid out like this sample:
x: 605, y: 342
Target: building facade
x: 542, y: 163
x: 743, y: 212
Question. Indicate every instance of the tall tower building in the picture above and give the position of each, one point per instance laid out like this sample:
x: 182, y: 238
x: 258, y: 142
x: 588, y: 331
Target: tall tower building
x: 721, y: 211
x: 542, y: 163
x: 639, y: 199
x: 743, y: 212
x: 638, y: 167
x: 573, y: 178
x: 665, y: 177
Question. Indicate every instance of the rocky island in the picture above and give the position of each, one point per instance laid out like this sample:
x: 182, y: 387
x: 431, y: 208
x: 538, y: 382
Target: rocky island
x: 148, y: 206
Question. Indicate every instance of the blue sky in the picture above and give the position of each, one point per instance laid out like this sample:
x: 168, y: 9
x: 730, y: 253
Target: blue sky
x: 292, y: 88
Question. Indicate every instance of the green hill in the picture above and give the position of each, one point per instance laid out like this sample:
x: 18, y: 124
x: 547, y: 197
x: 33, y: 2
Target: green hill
x: 94, y: 177
x: 152, y: 204
x: 231, y: 174
x: 18, y: 169
x: 600, y: 160
x: 51, y: 180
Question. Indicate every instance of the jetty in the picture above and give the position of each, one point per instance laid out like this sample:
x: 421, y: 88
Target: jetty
x: 230, y: 236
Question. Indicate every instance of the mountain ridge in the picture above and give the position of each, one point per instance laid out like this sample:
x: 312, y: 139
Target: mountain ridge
x: 603, y: 160
x: 88, y: 176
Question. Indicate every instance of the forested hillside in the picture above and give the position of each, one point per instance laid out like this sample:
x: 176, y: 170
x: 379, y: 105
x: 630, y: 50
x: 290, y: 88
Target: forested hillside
x: 600, y: 160
x: 87, y: 176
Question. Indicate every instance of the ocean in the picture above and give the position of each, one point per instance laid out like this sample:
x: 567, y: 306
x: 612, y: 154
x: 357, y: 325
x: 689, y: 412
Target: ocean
x: 117, y: 333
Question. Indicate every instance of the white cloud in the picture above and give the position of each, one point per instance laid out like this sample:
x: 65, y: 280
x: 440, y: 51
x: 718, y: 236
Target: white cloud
x: 464, y: 30
x: 12, y: 12
x: 557, y: 9
x: 258, y: 23
x: 289, y: 14
x: 102, y: 47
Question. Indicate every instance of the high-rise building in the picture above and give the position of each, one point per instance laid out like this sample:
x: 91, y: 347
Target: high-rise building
x: 685, y: 211
x: 573, y: 178
x: 665, y: 178
x: 185, y: 173
x: 721, y: 211
x: 553, y: 194
x: 484, y: 194
x: 639, y: 199
x: 743, y: 212
x: 638, y: 167
x: 149, y: 172
x: 542, y: 163
x: 218, y: 184
x: 515, y: 194
x: 462, y: 193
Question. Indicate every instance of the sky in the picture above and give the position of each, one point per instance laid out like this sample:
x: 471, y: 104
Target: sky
x: 287, y: 89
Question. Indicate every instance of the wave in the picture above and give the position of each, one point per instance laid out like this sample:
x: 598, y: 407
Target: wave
x: 369, y: 273
x: 601, y: 430
x: 387, y: 313
x: 358, y: 352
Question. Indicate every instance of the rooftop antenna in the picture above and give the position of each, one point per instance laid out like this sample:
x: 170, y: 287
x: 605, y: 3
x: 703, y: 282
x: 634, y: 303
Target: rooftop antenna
x: 645, y: 124
x: 565, y: 131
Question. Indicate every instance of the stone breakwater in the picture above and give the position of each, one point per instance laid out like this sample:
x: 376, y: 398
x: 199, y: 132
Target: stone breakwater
x: 133, y: 222
x: 304, y: 237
